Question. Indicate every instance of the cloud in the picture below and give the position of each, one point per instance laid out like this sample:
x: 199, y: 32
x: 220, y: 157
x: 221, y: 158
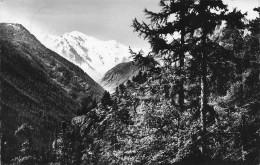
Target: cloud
x: 104, y: 19
x: 2, y: 2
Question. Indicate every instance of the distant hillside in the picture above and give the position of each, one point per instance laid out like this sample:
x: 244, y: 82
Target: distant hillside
x: 118, y: 75
x: 94, y: 56
x: 38, y: 87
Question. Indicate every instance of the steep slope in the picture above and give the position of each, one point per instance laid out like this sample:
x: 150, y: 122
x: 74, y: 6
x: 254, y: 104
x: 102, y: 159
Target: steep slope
x: 118, y: 75
x: 38, y: 87
x: 94, y: 56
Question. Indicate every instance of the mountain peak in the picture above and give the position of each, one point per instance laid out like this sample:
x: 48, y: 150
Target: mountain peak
x: 94, y: 56
x: 76, y: 33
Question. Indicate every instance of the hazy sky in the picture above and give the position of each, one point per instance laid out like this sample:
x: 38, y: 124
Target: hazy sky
x: 103, y: 19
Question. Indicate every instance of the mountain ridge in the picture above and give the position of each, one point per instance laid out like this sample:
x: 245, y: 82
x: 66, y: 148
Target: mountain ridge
x: 94, y: 56
x: 38, y: 87
x: 119, y: 74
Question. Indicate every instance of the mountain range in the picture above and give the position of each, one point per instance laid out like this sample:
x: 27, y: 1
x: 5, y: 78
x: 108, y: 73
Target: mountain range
x: 92, y: 55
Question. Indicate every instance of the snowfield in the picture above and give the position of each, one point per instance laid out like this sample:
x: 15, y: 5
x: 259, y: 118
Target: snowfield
x: 94, y: 56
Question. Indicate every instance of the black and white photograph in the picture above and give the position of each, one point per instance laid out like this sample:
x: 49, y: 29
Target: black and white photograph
x: 129, y: 82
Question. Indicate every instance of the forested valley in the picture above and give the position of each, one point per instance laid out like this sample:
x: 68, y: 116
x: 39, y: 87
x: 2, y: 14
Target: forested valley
x: 196, y: 99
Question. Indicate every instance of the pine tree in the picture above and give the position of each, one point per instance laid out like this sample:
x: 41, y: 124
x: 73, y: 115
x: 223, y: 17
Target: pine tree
x: 122, y: 88
x: 114, y: 139
x: 207, y: 21
x: 117, y: 92
x: 195, y: 21
x: 163, y: 27
x: 208, y: 15
x: 106, y: 99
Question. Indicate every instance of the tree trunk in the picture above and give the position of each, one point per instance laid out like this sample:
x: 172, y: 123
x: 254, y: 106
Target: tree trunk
x: 0, y: 141
x: 203, y: 98
x: 258, y: 139
x: 243, y: 138
x: 243, y: 134
x: 181, y: 89
x: 203, y: 90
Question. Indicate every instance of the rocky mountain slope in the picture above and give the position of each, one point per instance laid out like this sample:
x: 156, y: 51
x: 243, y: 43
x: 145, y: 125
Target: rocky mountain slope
x: 94, y: 56
x: 38, y: 87
x: 118, y: 75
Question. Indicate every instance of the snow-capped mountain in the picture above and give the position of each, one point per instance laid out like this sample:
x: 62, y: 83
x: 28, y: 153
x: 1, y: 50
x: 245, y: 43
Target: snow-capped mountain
x: 94, y: 56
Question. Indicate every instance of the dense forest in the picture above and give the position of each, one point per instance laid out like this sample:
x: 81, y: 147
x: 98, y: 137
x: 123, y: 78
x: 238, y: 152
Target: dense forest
x: 198, y: 104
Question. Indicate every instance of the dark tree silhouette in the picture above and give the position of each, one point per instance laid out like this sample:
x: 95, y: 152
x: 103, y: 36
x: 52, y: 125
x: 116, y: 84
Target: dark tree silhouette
x: 207, y: 16
x: 87, y: 104
x: 106, y: 99
x: 162, y: 27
